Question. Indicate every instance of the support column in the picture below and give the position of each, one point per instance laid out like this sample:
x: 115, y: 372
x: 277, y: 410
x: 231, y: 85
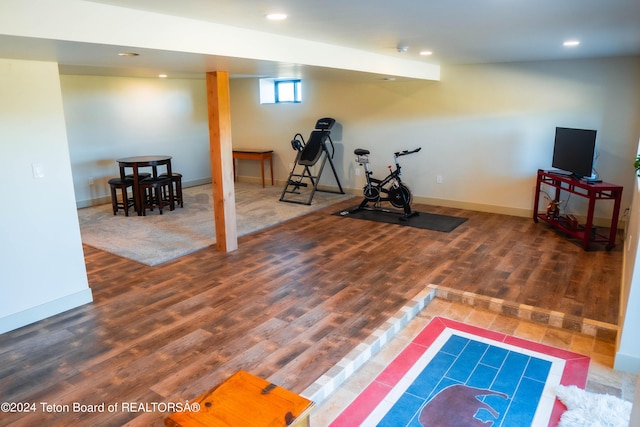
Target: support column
x: 221, y: 154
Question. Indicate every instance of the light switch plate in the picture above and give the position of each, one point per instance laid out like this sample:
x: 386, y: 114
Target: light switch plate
x: 38, y: 170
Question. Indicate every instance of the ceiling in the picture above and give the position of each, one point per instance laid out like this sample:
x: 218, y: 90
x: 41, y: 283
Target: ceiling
x: 456, y: 31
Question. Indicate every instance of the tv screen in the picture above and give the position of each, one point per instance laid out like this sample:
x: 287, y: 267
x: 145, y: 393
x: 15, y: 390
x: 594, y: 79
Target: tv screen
x: 573, y: 151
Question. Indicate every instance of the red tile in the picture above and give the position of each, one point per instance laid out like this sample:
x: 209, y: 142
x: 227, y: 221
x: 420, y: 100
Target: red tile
x: 576, y: 372
x: 362, y: 406
x: 398, y: 368
x: 474, y: 330
x: 542, y: 348
x: 430, y: 333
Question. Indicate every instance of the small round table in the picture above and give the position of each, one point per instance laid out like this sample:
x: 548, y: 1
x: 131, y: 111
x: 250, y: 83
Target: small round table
x: 138, y: 162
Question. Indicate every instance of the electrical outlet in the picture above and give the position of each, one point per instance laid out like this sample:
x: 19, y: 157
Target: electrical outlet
x: 357, y: 171
x: 439, y: 179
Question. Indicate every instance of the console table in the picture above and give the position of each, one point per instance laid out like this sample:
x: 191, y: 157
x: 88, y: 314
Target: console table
x: 260, y: 155
x: 593, y: 191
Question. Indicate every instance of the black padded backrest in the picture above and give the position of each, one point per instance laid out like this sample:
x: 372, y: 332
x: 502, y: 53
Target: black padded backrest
x: 325, y: 123
x: 313, y: 149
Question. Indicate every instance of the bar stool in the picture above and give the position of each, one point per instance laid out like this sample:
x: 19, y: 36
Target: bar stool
x: 141, y: 176
x: 176, y: 179
x: 122, y: 185
x: 152, y: 190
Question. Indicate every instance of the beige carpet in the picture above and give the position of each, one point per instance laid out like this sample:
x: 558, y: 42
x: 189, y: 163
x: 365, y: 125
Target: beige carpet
x: 154, y: 239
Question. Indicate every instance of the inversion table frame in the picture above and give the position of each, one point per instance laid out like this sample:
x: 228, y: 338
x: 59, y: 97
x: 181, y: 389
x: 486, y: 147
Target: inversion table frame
x: 308, y: 156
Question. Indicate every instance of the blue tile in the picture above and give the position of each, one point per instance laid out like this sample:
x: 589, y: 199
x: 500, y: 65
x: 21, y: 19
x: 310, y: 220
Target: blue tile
x: 482, y: 376
x: 486, y: 416
x: 431, y: 375
x: 499, y: 404
x: 402, y: 411
x: 538, y: 369
x: 510, y: 373
x: 415, y: 421
x: 454, y: 345
x: 524, y: 403
x: 495, y: 356
x: 467, y: 361
x: 476, y: 364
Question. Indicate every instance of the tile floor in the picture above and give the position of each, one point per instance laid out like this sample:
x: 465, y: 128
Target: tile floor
x: 601, y: 379
x: 516, y: 379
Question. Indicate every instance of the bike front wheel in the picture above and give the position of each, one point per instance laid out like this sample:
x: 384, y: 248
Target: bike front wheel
x: 400, y: 196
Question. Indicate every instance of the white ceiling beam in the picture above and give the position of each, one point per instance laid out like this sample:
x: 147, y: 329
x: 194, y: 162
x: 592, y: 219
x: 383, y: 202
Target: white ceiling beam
x: 89, y: 22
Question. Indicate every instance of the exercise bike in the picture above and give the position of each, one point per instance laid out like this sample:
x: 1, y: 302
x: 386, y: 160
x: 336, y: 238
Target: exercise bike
x: 390, y: 189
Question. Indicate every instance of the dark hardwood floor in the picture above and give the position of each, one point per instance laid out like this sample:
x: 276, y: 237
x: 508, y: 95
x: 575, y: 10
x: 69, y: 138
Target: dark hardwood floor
x: 286, y: 306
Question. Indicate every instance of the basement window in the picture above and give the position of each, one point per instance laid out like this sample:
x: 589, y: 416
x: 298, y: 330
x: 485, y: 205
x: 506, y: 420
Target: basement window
x: 280, y: 91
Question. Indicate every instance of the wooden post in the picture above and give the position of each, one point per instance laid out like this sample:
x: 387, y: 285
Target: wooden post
x: 221, y: 153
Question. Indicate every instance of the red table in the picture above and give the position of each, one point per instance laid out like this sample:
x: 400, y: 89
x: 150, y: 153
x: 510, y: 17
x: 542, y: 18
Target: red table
x: 593, y: 191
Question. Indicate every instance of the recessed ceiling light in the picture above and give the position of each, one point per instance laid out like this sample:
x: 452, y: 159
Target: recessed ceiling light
x: 426, y: 53
x: 162, y: 76
x: 128, y: 54
x: 277, y: 16
x: 571, y: 43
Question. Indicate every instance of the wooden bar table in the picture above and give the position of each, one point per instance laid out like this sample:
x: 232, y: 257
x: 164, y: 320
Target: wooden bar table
x: 249, y: 154
x: 138, y: 162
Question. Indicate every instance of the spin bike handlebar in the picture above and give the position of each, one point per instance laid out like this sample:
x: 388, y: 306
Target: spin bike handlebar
x: 405, y: 152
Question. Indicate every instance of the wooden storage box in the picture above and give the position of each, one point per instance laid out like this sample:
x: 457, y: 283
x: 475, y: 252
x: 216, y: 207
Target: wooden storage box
x: 247, y: 401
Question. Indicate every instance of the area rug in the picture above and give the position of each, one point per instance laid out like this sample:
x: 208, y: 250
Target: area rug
x: 155, y: 239
x: 456, y: 375
x: 585, y: 409
x: 428, y: 221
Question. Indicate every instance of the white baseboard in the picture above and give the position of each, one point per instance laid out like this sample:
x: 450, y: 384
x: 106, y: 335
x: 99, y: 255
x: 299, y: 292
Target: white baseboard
x: 42, y: 311
x: 107, y: 199
x: 627, y: 363
x: 480, y: 207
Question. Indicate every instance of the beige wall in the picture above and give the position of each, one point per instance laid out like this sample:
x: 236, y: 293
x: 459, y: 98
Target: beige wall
x: 112, y: 117
x: 485, y: 129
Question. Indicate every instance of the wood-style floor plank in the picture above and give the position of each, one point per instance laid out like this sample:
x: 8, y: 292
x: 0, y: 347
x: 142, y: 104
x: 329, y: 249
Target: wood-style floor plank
x: 287, y: 305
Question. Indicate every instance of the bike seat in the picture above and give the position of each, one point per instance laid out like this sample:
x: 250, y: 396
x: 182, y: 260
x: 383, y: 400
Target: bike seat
x: 360, y: 152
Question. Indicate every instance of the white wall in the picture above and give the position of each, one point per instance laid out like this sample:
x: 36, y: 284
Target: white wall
x: 628, y: 346
x: 42, y: 263
x: 112, y: 117
x: 485, y: 128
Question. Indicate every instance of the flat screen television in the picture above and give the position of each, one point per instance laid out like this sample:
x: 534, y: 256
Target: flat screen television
x: 573, y: 151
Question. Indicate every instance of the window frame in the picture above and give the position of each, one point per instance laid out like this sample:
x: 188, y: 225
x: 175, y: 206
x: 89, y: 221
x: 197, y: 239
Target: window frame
x: 297, y: 91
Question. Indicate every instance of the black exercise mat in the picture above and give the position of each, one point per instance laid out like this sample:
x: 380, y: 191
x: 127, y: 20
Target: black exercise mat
x: 423, y: 220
